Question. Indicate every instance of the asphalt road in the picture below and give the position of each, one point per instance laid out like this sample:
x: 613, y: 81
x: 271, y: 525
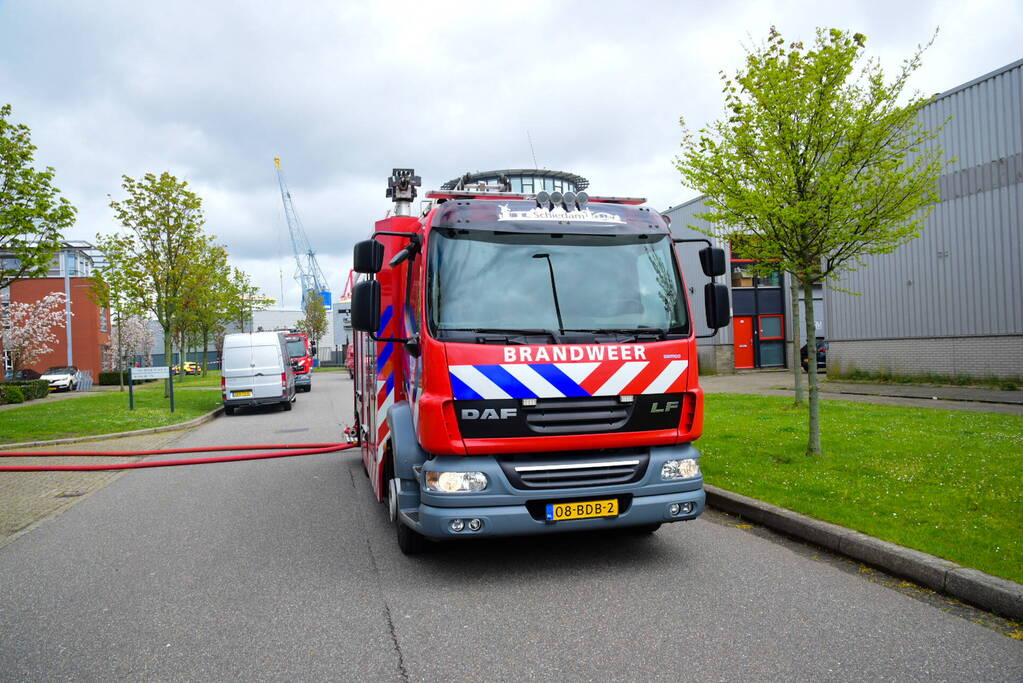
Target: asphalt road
x: 286, y: 569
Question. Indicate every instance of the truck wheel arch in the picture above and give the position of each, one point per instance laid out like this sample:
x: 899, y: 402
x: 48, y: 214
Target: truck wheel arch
x: 404, y: 446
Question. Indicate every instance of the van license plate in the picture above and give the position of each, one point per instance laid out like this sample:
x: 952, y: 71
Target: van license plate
x: 590, y: 508
x: 239, y: 394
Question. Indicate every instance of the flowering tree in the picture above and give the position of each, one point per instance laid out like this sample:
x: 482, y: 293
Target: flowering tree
x: 28, y: 330
x: 132, y: 337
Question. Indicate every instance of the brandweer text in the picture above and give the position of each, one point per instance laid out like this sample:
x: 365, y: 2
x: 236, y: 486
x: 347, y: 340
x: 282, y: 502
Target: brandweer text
x: 525, y: 354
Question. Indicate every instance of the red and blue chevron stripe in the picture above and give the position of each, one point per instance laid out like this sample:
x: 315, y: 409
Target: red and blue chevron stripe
x: 567, y: 380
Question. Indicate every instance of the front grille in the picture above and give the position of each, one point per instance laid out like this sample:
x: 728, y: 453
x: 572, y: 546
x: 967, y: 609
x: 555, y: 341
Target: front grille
x: 562, y: 473
x: 577, y: 416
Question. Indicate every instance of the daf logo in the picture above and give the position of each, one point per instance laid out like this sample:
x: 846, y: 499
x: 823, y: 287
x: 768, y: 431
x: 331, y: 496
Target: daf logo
x: 488, y: 414
x: 668, y: 407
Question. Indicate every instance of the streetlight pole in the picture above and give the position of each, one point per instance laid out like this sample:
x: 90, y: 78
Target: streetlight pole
x: 67, y: 307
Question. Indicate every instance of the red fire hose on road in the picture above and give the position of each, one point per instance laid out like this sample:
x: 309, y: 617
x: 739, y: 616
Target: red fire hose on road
x: 289, y: 450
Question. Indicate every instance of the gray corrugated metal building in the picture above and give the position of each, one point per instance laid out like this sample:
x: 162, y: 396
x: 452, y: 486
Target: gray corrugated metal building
x: 949, y: 302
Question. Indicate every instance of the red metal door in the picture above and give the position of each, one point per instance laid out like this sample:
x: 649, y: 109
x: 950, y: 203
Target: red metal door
x: 742, y: 332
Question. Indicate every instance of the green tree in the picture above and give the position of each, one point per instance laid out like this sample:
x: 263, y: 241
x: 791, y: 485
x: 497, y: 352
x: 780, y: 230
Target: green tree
x: 211, y: 296
x: 818, y: 164
x: 109, y: 290
x: 314, y: 323
x: 244, y: 299
x: 32, y: 214
x: 156, y: 256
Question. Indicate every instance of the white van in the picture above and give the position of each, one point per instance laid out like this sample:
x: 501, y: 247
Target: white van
x: 256, y: 371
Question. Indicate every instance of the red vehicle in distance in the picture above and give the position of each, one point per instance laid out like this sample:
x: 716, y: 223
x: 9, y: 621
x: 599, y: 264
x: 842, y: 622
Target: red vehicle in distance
x: 301, y: 352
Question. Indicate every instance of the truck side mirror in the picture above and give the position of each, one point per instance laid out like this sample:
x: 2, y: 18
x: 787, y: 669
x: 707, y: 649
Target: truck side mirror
x: 368, y: 257
x: 366, y: 304
x: 715, y: 299
x: 712, y: 260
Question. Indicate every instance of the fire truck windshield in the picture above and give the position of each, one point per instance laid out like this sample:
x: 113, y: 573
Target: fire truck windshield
x: 514, y: 282
x: 296, y: 347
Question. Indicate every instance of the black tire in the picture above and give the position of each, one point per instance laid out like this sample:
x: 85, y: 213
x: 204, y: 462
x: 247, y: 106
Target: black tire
x: 410, y: 541
x: 645, y: 529
x: 228, y: 410
x: 286, y: 405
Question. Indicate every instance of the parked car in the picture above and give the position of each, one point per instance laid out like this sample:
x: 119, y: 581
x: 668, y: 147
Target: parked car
x: 257, y: 371
x: 25, y: 375
x: 822, y: 355
x: 62, y: 377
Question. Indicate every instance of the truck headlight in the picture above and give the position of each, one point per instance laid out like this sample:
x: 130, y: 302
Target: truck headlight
x: 686, y: 468
x: 455, y: 482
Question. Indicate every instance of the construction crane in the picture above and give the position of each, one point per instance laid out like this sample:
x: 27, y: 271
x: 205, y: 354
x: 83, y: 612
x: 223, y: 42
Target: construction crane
x: 308, y: 273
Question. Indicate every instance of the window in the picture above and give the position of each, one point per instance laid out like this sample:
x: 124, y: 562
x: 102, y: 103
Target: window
x: 772, y: 280
x: 772, y: 354
x: 103, y: 320
x: 527, y: 185
x: 772, y: 327
x: 742, y: 276
x: 499, y: 281
x: 516, y: 184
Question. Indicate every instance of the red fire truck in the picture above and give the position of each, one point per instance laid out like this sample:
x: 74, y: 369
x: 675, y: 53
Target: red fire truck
x: 527, y: 364
x: 301, y: 353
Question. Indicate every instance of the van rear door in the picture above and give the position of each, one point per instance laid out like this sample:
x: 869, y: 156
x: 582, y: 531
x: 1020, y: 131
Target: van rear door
x: 267, y: 367
x: 237, y: 370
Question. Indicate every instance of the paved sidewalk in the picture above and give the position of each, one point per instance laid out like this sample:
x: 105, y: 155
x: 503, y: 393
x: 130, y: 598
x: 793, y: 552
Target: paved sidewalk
x: 779, y: 383
x: 27, y: 498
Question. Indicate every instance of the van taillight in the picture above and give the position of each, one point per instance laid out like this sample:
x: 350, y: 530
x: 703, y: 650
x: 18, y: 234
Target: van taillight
x: 284, y: 381
x: 223, y: 385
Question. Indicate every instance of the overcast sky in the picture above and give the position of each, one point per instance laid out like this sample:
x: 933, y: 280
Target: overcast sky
x: 345, y: 91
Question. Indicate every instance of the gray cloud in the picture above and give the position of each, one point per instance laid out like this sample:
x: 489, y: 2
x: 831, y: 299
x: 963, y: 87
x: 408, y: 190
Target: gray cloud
x: 343, y: 92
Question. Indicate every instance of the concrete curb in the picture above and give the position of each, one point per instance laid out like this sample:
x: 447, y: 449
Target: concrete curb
x: 969, y: 585
x: 195, y: 422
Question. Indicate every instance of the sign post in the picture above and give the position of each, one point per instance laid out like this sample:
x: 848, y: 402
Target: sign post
x: 158, y: 372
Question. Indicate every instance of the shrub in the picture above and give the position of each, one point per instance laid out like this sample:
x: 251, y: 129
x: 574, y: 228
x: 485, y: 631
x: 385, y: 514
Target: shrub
x: 11, y: 394
x: 109, y: 378
x: 32, y: 388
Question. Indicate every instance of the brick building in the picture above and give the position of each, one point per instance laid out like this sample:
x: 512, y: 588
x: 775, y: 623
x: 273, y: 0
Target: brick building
x: 89, y: 331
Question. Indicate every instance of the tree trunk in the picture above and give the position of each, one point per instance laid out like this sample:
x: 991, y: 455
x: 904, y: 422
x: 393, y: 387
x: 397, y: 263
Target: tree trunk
x: 813, y: 444
x: 797, y: 374
x: 205, y: 345
x: 168, y: 342
x: 120, y: 350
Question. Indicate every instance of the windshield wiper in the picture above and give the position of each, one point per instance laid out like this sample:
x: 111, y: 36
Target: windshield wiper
x: 636, y: 332
x: 507, y: 335
x: 496, y: 330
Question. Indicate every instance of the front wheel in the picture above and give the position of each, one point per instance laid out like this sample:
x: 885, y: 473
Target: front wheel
x: 410, y: 541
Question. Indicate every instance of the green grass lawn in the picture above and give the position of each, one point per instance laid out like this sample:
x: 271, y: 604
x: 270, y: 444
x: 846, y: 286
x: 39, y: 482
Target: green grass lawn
x: 212, y: 379
x: 945, y: 482
x: 103, y: 413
